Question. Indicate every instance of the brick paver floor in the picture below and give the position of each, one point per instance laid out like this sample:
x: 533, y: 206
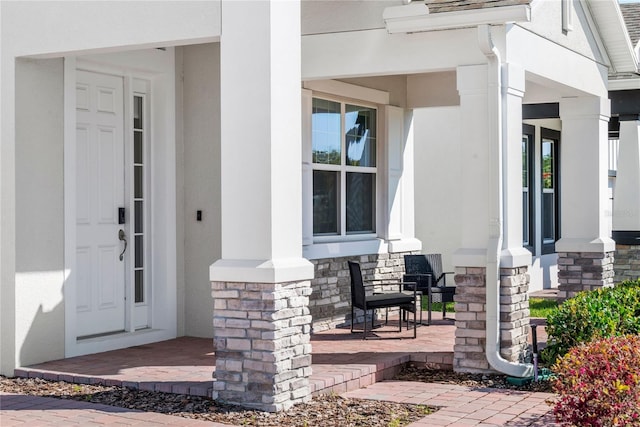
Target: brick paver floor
x: 464, y: 406
x: 342, y: 363
x: 33, y: 411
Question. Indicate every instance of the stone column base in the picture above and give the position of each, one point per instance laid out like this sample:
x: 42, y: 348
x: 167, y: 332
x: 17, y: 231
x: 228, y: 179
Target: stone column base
x: 262, y: 344
x: 471, y: 313
x: 627, y: 263
x: 583, y: 271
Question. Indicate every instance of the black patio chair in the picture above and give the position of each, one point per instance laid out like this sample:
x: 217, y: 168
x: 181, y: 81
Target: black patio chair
x: 406, y: 302
x: 426, y: 272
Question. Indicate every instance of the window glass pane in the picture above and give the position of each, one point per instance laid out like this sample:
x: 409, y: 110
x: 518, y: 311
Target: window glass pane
x: 138, y: 217
x: 360, y: 135
x: 326, y: 185
x: 139, y: 286
x: 361, y: 190
x: 525, y: 161
x: 137, y: 112
x: 525, y: 218
x: 325, y: 132
x: 548, y: 214
x: 139, y: 254
x: 548, y: 172
x: 137, y: 181
x: 137, y: 147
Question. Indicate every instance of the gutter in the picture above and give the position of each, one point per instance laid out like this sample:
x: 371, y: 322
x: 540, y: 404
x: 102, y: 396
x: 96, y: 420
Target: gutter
x: 415, y: 17
x: 496, y: 214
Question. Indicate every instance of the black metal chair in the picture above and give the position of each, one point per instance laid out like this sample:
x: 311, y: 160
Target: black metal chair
x: 359, y: 299
x: 426, y: 272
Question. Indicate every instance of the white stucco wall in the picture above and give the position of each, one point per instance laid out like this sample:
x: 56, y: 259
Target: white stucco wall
x: 201, y: 188
x: 330, y: 16
x: 546, y: 20
x: 39, y: 211
x: 80, y: 26
x: 438, y: 181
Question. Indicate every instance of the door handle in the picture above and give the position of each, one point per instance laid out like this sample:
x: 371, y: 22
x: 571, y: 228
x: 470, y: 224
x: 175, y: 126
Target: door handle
x: 123, y: 238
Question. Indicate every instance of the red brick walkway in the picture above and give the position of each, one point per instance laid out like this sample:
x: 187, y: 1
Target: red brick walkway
x: 464, y: 406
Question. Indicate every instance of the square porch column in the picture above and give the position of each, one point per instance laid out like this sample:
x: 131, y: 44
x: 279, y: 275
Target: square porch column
x: 626, y: 201
x: 491, y: 139
x: 261, y: 286
x: 585, y: 250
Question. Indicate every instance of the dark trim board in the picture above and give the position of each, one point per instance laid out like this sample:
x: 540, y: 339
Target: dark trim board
x: 626, y: 237
x: 549, y: 110
x: 625, y: 102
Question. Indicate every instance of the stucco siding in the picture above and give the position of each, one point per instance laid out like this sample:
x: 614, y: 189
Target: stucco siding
x: 39, y: 211
x: 85, y: 27
x: 438, y: 181
x: 546, y: 21
x: 201, y: 151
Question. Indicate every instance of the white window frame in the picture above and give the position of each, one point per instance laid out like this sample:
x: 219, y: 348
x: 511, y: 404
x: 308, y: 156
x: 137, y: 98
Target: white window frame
x: 343, y: 169
x: 394, y: 221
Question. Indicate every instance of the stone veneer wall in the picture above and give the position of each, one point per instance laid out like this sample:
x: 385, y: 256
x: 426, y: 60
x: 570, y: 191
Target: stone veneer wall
x: 262, y: 344
x: 330, y: 301
x: 627, y: 263
x: 583, y: 271
x: 470, y: 304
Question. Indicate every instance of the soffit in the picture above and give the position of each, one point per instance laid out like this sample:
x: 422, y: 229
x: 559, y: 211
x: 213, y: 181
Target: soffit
x: 608, y: 18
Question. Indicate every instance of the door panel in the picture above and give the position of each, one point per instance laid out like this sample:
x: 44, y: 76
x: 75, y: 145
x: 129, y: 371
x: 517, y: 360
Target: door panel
x: 100, y: 183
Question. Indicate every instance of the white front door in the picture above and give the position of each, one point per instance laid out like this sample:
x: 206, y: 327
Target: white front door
x: 100, y: 185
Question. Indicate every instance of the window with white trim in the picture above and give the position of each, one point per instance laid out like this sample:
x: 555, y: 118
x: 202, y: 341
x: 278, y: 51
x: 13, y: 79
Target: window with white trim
x: 550, y: 187
x: 344, y: 144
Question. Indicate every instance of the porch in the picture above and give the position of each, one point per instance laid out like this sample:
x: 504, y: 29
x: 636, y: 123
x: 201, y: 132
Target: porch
x: 341, y: 361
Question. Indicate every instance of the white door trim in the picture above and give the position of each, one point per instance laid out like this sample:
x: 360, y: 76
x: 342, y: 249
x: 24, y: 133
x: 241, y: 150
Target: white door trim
x: 159, y: 69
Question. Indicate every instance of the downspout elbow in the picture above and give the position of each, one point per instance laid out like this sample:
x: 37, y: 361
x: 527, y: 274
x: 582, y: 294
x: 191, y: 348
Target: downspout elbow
x: 494, y: 244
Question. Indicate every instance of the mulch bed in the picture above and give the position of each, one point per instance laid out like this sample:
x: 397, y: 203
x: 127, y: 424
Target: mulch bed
x: 328, y: 410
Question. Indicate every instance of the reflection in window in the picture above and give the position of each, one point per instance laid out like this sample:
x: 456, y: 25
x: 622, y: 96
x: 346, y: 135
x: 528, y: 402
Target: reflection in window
x: 526, y: 208
x: 548, y: 191
x: 360, y: 125
x: 325, y: 135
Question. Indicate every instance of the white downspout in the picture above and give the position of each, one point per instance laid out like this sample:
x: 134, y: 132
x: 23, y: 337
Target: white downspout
x: 496, y: 215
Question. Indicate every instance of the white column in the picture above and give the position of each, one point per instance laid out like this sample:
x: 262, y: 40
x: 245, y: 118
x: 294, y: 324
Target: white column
x: 261, y: 180
x: 472, y: 84
x: 626, y: 200
x: 8, y: 356
x: 398, y: 164
x: 513, y: 254
x: 583, y: 175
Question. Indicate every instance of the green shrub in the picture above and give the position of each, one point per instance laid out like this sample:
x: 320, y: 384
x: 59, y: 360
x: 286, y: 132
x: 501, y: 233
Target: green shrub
x: 602, y: 313
x: 599, y: 383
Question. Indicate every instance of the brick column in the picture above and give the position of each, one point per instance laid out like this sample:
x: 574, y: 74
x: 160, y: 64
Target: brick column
x: 470, y: 305
x: 583, y: 271
x: 261, y: 340
x: 514, y: 313
x: 626, y: 212
x: 585, y: 250
x: 470, y: 346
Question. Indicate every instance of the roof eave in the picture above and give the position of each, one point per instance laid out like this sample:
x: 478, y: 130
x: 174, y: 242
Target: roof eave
x: 616, y: 38
x: 410, y: 19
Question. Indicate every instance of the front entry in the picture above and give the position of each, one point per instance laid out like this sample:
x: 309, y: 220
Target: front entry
x: 120, y: 200
x: 101, y: 237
